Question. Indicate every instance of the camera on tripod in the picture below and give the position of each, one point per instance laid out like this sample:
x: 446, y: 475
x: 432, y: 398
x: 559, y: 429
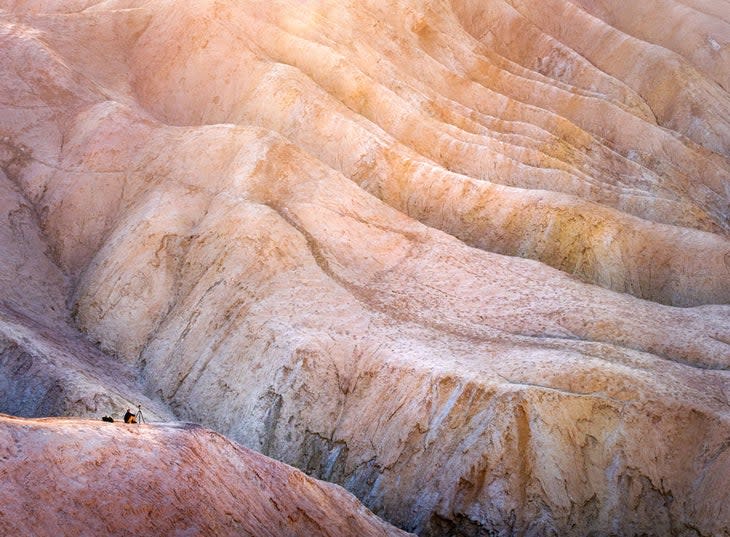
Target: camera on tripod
x: 139, y: 416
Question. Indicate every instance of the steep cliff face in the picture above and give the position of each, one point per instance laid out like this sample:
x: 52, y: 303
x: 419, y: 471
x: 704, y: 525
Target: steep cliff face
x: 75, y: 477
x: 468, y: 259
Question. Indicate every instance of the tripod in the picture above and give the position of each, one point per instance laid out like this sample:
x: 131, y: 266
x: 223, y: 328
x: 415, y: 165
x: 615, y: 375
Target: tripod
x: 139, y: 416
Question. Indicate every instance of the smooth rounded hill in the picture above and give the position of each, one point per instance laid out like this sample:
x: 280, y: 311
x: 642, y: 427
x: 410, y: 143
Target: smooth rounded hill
x: 70, y: 477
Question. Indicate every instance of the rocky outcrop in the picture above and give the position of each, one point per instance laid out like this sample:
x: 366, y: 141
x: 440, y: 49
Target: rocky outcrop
x: 75, y: 477
x: 468, y: 259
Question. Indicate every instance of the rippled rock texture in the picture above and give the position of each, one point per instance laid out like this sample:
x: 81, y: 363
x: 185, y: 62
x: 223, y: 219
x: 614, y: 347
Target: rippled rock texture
x: 469, y: 259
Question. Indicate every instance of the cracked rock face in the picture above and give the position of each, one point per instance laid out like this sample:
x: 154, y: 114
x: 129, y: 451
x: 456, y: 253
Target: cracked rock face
x: 76, y: 477
x: 469, y: 259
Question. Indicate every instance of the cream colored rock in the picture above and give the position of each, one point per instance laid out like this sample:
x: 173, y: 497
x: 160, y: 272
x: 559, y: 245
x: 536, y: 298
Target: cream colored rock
x: 74, y: 477
x: 305, y: 224
x: 46, y: 366
x: 399, y: 133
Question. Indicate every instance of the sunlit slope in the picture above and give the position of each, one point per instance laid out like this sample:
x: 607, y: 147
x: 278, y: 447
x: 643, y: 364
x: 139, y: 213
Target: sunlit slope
x: 432, y: 251
x: 77, y: 477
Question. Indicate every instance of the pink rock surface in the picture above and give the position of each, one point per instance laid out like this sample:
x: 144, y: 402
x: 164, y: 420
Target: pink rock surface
x: 77, y: 477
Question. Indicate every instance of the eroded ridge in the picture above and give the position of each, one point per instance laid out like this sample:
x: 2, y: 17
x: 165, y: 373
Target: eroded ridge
x: 432, y: 251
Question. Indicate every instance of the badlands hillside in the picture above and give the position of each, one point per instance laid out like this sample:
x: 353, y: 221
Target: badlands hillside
x: 163, y: 480
x: 469, y: 259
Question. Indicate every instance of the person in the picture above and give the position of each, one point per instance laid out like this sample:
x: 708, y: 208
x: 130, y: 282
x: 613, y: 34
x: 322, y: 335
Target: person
x: 129, y: 417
